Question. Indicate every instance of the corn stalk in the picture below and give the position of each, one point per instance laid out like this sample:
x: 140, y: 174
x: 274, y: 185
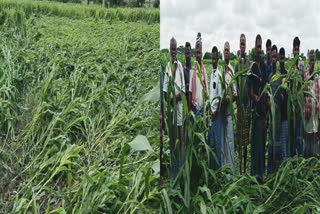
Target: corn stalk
x: 241, y: 109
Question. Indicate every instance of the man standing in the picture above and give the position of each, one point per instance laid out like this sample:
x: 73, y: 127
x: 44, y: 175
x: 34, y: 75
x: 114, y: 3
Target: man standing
x: 162, y: 126
x: 196, y: 101
x: 296, y: 132
x: 186, y: 71
x: 229, y: 144
x: 285, y: 146
x: 269, y: 60
x: 243, y: 104
x: 216, y: 129
x: 177, y: 76
x: 258, y: 134
x: 311, y: 111
x: 274, y: 146
x: 187, y: 68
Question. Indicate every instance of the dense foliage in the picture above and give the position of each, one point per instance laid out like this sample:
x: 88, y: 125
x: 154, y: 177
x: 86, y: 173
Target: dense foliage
x: 71, y: 83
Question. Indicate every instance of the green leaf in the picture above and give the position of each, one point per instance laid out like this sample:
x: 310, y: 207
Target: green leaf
x: 203, y: 206
x: 140, y: 143
x: 69, y: 178
x: 166, y: 200
x: 58, y: 211
x: 156, y: 166
x: 200, y: 136
x: 259, y: 209
x: 275, y: 77
x: 152, y: 95
x: 124, y: 152
x: 207, y: 191
x: 302, y: 209
x: 147, y: 182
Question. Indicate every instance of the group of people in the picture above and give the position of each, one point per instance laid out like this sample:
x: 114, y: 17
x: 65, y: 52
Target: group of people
x: 296, y: 129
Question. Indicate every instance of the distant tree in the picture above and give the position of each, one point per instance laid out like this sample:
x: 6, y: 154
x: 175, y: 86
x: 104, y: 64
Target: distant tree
x: 180, y: 49
x: 68, y: 1
x: 165, y: 50
x: 94, y: 1
x: 252, y: 54
x: 140, y: 3
x: 112, y: 2
x: 233, y: 56
x: 207, y: 55
x: 193, y: 52
x: 156, y: 3
x: 317, y: 54
x: 219, y: 55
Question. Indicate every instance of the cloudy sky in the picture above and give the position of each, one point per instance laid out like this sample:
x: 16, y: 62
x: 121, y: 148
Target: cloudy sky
x: 221, y: 20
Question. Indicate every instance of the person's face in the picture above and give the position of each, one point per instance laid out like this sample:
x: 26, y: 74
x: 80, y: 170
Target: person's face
x: 199, y: 53
x: 188, y: 53
x: 274, y: 58
x: 258, y: 48
x: 268, y: 52
x: 226, y: 53
x: 281, y: 60
x: 311, y: 62
x: 242, y: 46
x: 296, y: 50
x: 214, y: 60
x: 173, y: 51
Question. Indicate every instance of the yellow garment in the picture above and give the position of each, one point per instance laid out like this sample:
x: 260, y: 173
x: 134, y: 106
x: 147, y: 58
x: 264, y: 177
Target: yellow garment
x: 284, y: 82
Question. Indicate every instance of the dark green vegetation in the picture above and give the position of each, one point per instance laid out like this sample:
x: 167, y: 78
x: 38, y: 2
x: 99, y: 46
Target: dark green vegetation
x: 76, y: 11
x: 71, y: 83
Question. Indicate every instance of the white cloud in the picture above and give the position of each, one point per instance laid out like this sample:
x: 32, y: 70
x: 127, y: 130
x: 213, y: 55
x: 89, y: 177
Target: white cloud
x: 220, y: 21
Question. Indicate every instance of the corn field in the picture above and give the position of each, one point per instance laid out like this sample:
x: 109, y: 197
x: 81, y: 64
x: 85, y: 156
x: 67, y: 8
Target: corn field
x: 197, y: 188
x: 78, y: 132
x: 77, y: 11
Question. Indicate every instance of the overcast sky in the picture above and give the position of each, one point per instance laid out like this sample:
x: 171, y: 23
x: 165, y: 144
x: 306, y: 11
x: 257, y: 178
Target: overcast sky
x: 221, y: 20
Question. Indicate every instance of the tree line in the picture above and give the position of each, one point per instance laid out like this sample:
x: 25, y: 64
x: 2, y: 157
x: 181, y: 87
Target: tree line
x: 116, y: 3
x: 233, y: 56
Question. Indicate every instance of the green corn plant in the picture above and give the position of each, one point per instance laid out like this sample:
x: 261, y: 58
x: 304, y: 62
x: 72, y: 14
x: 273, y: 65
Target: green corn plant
x: 239, y: 130
x: 268, y: 90
x: 240, y: 90
x: 171, y: 122
x: 245, y: 194
x: 227, y: 89
x: 192, y: 151
x: 295, y: 95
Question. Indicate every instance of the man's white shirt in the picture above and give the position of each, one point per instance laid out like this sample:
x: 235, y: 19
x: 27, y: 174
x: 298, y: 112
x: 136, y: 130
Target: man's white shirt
x: 228, y: 77
x: 179, y: 85
x: 215, y: 89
